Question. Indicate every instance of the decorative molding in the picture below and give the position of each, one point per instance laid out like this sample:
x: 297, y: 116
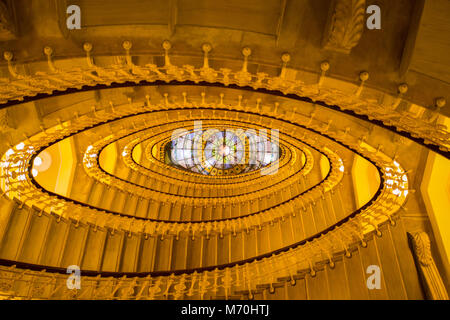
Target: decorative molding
x: 432, y: 281
x: 18, y: 87
x: 422, y: 248
x: 345, y: 25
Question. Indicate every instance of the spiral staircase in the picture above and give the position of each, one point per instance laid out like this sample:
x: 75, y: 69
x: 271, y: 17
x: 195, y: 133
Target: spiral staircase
x: 89, y: 176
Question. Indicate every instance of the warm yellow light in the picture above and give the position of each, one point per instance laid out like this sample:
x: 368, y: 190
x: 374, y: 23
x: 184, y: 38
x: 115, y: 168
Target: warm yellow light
x: 34, y: 172
x: 42, y: 162
x: 9, y: 152
x: 20, y: 146
x: 37, y: 161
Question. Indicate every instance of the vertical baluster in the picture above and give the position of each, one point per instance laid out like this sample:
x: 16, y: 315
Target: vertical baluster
x: 363, y: 76
x: 324, y: 67
x: 48, y: 52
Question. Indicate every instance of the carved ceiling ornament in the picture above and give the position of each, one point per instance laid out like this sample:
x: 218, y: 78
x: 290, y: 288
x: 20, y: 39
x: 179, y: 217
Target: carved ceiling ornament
x: 422, y: 248
x: 432, y: 281
x: 345, y: 25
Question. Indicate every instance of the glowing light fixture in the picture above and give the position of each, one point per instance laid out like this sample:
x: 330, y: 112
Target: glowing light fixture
x: 37, y: 161
x: 42, y: 162
x: 20, y: 146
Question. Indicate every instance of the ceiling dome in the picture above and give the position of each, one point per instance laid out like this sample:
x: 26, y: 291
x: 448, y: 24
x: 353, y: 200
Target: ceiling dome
x: 222, y: 151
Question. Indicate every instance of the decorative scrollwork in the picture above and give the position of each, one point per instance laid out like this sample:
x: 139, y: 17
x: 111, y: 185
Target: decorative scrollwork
x: 433, y: 284
x: 346, y: 25
x: 422, y: 248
